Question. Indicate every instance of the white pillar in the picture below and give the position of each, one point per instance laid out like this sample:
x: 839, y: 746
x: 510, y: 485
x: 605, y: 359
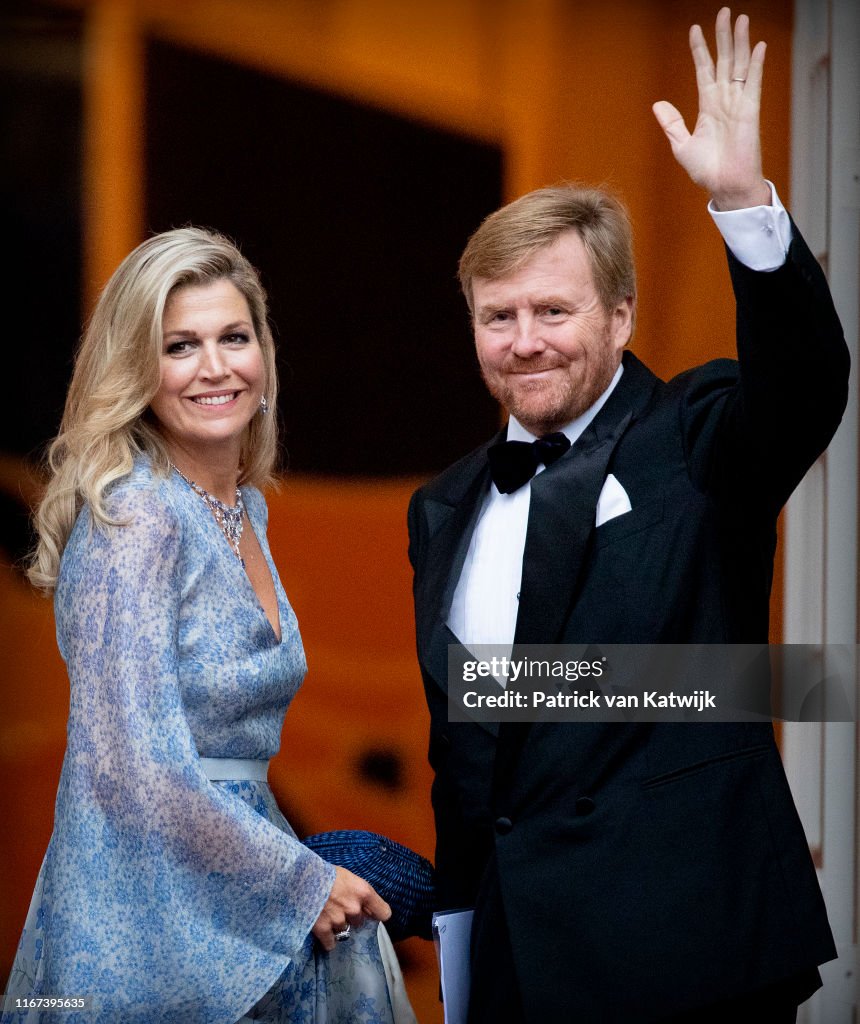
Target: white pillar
x: 821, y: 568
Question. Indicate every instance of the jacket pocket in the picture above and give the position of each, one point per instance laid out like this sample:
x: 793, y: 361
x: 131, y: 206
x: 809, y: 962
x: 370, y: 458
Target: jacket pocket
x: 629, y: 522
x: 687, y: 771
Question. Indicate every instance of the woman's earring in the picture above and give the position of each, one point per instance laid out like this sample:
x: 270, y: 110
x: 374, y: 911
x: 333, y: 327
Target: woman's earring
x: 264, y: 405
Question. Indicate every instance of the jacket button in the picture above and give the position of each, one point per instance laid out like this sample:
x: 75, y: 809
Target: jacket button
x: 503, y: 826
x: 584, y: 805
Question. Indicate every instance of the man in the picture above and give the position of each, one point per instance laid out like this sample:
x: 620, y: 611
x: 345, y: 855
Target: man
x: 622, y: 872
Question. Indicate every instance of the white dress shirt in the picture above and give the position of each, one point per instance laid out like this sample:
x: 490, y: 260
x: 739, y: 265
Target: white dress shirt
x: 486, y: 600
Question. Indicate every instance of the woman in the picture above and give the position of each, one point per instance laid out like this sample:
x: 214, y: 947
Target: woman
x: 173, y: 890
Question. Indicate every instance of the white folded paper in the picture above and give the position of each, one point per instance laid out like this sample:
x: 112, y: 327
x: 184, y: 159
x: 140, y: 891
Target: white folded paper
x: 452, y: 936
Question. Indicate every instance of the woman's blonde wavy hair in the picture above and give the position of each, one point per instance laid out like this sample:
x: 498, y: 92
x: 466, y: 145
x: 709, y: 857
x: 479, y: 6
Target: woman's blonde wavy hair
x: 117, y: 372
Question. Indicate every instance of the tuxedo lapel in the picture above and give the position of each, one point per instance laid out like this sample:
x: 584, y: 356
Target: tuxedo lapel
x: 562, y: 515
x: 450, y: 520
x: 563, y: 508
x: 561, y: 522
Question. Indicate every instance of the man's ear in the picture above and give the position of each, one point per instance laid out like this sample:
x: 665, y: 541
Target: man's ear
x: 621, y: 322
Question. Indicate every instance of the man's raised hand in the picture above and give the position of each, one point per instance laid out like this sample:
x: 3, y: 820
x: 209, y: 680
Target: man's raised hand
x: 723, y: 153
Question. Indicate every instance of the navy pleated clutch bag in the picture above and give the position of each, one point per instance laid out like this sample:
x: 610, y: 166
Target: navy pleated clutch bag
x: 400, y: 876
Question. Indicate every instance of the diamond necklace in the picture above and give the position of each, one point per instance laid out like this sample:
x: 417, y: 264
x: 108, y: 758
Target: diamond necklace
x: 231, y: 520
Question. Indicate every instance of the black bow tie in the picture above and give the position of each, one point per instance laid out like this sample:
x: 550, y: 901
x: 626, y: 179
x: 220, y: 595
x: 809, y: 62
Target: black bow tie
x: 514, y: 463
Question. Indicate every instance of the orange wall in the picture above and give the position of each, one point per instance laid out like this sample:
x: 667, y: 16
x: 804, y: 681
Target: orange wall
x: 565, y: 87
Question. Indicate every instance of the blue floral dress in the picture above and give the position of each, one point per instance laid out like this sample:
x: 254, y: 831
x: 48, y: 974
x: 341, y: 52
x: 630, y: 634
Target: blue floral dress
x: 167, y: 898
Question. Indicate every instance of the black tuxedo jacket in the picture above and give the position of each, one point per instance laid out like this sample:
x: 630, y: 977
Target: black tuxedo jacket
x: 644, y: 869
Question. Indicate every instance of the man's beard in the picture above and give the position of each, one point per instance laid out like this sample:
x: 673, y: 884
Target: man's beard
x: 543, y: 406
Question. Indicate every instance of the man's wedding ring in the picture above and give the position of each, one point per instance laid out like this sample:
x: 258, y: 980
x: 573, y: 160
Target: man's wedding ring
x: 342, y: 935
x: 741, y: 80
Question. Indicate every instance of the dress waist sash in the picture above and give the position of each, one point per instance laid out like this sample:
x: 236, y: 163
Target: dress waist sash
x: 234, y: 768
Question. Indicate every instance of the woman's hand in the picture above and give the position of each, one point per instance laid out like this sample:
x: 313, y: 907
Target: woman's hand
x: 351, y: 902
x: 723, y: 154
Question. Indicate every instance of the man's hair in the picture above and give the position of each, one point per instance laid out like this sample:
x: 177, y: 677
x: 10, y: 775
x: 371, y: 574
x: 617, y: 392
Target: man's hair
x: 511, y: 235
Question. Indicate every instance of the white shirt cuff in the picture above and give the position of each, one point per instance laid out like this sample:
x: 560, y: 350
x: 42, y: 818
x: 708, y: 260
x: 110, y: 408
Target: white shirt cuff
x: 760, y: 236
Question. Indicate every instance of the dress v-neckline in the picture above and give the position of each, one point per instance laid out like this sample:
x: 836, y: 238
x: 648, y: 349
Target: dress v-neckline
x: 276, y: 630
x: 277, y: 633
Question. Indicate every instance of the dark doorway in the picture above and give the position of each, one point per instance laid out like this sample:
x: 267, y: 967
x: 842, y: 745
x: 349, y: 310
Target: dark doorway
x: 356, y: 218
x: 40, y: 215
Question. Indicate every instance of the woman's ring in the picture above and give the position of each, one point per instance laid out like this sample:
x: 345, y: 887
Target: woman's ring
x: 342, y: 935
